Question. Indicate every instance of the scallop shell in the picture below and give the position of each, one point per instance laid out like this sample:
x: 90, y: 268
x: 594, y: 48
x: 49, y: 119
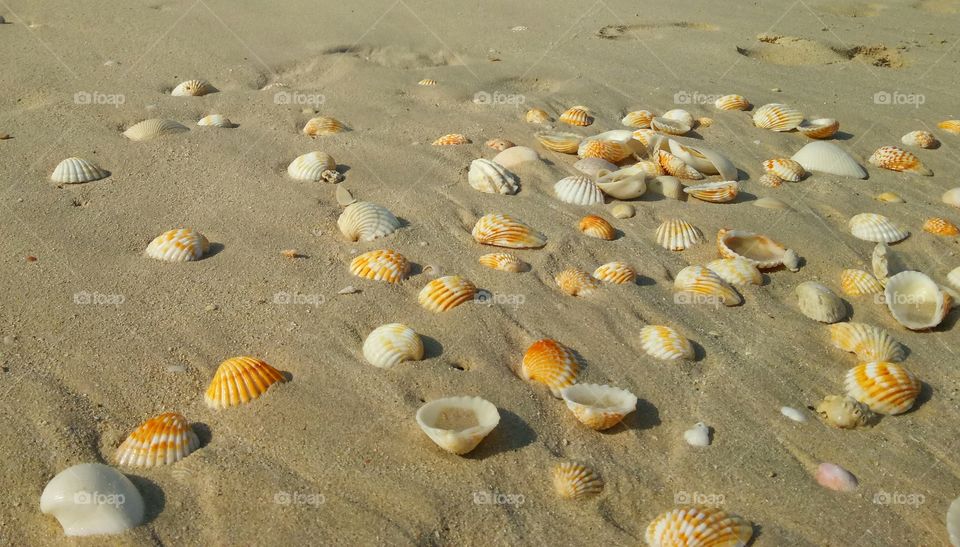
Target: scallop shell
x: 915, y: 300
x: 499, y: 144
x: 445, y: 293
x: 950, y: 126
x: 887, y: 388
x: 612, y: 146
x: 458, y: 424
x: 193, y: 88
x: 859, y: 283
x: 617, y: 273
x: 310, y: 166
x: 574, y: 481
x: 505, y: 231
x: 577, y: 115
x: 515, y: 156
x: 777, y: 117
x: 704, y: 122
x: 736, y: 271
x: 703, y: 159
x: 365, y: 221
x: 180, y: 245
x: 770, y: 180
x: 694, y: 526
x: 843, y: 412
x: 869, y: 343
x: 77, y: 170
x: 896, y: 159
x: 536, y: 115
x: 598, y: 407
x: 491, y: 178
x: 381, y: 265
x: 575, y: 282
x: 153, y: 128
x: 889, y: 197
x: 668, y: 126
x: 665, y: 343
x: 451, y: 140
x: 677, y: 235
x: 876, y: 228
x: 759, y: 250
x: 427, y: 82
x: 699, y: 285
x: 578, y: 190
x: 240, y: 380
x: 644, y: 136
x: 785, y: 169
x: 819, y: 303
x: 820, y: 128
x: 676, y: 167
x: 732, y: 102
x: 504, y: 262
x: 715, y: 192
x: 594, y: 167
x: 597, y: 227
x: 826, y: 157
x: 940, y: 226
x: 550, y: 363
x: 951, y: 197
x: 638, y: 118
x: 391, y: 344
x: 215, y: 120
x: 558, y: 141
x: 161, y: 440
x: 322, y: 125
x: 923, y: 139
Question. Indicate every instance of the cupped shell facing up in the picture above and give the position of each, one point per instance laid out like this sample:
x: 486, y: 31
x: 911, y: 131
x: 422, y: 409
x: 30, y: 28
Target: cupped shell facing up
x: 758, y: 249
x: 578, y: 190
x: 572, y: 480
x: 916, y: 301
x: 732, y: 102
x: 365, y: 221
x: 665, y: 343
x: 868, y: 342
x: 310, y: 166
x: 161, y: 440
x: 550, y: 363
x: 575, y: 282
x: 677, y: 235
x: 597, y: 406
x: 458, y: 424
x: 597, y: 227
x: 322, y: 125
x: 699, y: 285
x: 819, y: 303
x: 736, y: 271
x: 819, y: 128
x: 445, y: 293
x: 896, y: 159
x: 240, y: 380
x: 391, y: 344
x: 492, y: 178
x: 180, y: 245
x: 669, y: 126
x: 506, y: 231
x: 193, y: 88
x: 617, y: 273
x: 77, y: 170
x: 505, y: 262
x: 777, y: 117
x: 844, y: 412
x: 153, y: 128
x: 695, y: 526
x: 381, y: 265
x: 887, y: 388
x: 876, y: 228
x: 715, y: 192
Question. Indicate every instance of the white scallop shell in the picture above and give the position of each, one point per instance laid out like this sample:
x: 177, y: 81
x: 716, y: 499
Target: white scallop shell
x: 868, y: 342
x: 458, y: 424
x: 665, y: 343
x: 77, y: 170
x: 777, y: 117
x: 153, y: 128
x: 676, y: 235
x: 365, y: 221
x: 703, y: 159
x: 916, y: 301
x: 736, y: 271
x: 826, y: 157
x: 876, y: 228
x: 515, y: 156
x: 216, y: 120
x: 592, y: 167
x: 491, y: 178
x: 310, y: 166
x: 181, y: 245
x: 578, y: 190
x: 819, y: 303
x: 391, y: 344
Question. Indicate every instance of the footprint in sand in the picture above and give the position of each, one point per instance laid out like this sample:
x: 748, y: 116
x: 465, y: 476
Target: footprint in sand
x: 792, y: 50
x: 615, y: 32
x: 396, y: 56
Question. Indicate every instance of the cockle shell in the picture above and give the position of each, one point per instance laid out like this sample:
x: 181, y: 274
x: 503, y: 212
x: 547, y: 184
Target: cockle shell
x: 676, y: 167
x: 193, y: 88
x: 491, y: 178
x: 365, y: 221
x: 826, y: 157
x: 896, y: 159
x: 834, y: 477
x: 578, y: 190
x: 703, y: 121
x: 153, y: 128
x: 504, y: 262
x: 161, y: 440
x: 819, y: 128
x: 715, y: 192
x: 923, y: 139
x: 180, y: 245
x: 843, y: 412
x: 505, y: 231
x: 597, y: 406
x: 240, y: 380
x: 617, y: 273
x: 887, y: 388
x: 770, y: 180
x: 499, y: 144
x: 679, y: 115
x: 612, y: 146
x: 575, y: 282
x: 759, y: 250
x: 592, y: 167
x: 427, y: 82
x: 819, y: 303
x: 889, y: 197
x: 452, y: 139
x: 310, y: 166
x: 663, y: 342
x: 703, y: 159
x: 215, y: 120
x: 78, y: 170
x: 858, y: 283
x: 916, y: 301
x: 736, y: 271
x: 574, y: 481
x: 516, y: 156
x: 458, y: 424
x: 69, y: 497
x: 951, y: 197
x: 381, y: 265
x: 940, y: 226
x: 558, y: 141
x: 785, y: 169
x: 699, y: 285
x: 322, y: 125
x: 950, y: 126
x: 732, y: 102
x: 777, y: 117
x: 445, y: 293
x: 623, y: 183
x: 869, y: 343
x: 577, y: 115
x: 536, y: 115
x: 676, y: 235
x: 876, y: 228
x: 391, y: 344
x: 668, y: 126
x: 695, y: 526
x: 597, y: 227
x: 638, y: 118
x: 645, y: 136
x: 550, y: 363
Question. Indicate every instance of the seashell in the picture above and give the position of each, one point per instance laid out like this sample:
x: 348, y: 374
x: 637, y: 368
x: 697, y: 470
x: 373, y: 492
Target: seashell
x: 491, y: 178
x: 180, y: 245
x: 703, y: 159
x: 940, y: 226
x: 843, y: 412
x: 785, y: 169
x: 896, y: 159
x: 666, y: 186
x: 791, y: 260
x: 427, y: 82
x: 819, y: 303
x: 759, y: 250
x: 826, y: 157
x: 499, y: 144
x: 612, y: 146
x: 380, y: 265
x: 597, y: 227
x: 515, y: 156
x: 704, y: 122
x: 923, y: 139
x: 504, y: 262
x: 550, y: 363
x: 679, y: 115
x: 677, y: 235
x: 240, y: 380
x: 578, y: 190
x: 732, y: 102
x: 695, y: 526
x: 617, y: 273
x: 451, y: 140
x: 950, y: 126
x: 665, y: 343
x: 77, y: 170
x: 819, y: 128
x: 715, y: 192
x: 68, y: 498
x: 536, y: 115
x: 505, y: 231
x: 344, y: 197
x: 887, y: 388
x: 885, y: 262
x: 676, y: 167
x: 644, y: 136
x: 575, y: 282
x: 153, y: 128
x: 876, y: 228
x: 458, y: 424
x: 834, y: 477
x: 322, y: 125
x: 161, y: 440
x: 698, y: 285
x: 869, y: 343
x: 574, y: 481
x: 565, y: 143
x: 771, y: 203
x: 954, y: 277
x: 698, y: 435
x: 889, y: 197
x: 310, y: 166
x: 391, y: 344
x: 597, y: 406
x: 859, y: 283
x: 770, y: 180
x: 953, y: 512
x: 193, y: 88
x: 638, y: 118
x: 793, y: 414
x: 915, y: 301
x: 623, y: 210
x: 216, y: 120
x: 951, y: 197
x: 736, y: 271
x: 777, y: 117
x: 668, y: 126
x: 445, y: 293
x: 365, y: 221
x: 623, y: 184
x: 577, y: 115
x: 592, y: 167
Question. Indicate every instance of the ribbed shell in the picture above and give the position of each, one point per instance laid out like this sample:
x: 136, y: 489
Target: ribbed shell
x: 770, y: 180
x: 617, y: 273
x: 606, y: 150
x: 732, y: 102
x: 240, y: 380
x: 558, y: 141
x: 940, y: 226
x: 499, y: 144
x: 923, y: 139
x: 785, y: 168
x: 704, y: 287
x: 322, y: 125
x: 310, y: 166
x: 504, y: 262
x: 491, y: 178
x: 826, y: 157
x: 736, y: 271
x: 638, y: 118
x: 578, y: 190
x: 858, y: 283
x: 819, y: 303
x: 550, y: 363
x: 869, y: 343
x: 161, y: 440
x: 677, y: 235
x: 77, y: 170
x: 820, y: 128
x: 215, y: 120
x: 577, y: 115
x: 427, y: 82
x: 365, y: 221
x: 597, y: 406
x: 445, y: 293
x: 536, y: 115
x: 643, y: 136
x: 896, y: 159
x: 675, y: 166
x: 153, y: 128
x: 698, y: 527
x: 950, y: 126
x: 391, y: 344
x: 575, y: 282
x: 506, y: 231
x: 381, y: 265
x: 663, y: 342
x: 193, y: 88
x: 180, y: 245
x: 777, y: 117
x: 876, y: 228
x: 887, y: 388
x: 573, y: 480
x: 669, y: 126
x: 715, y: 192
x: 597, y: 227
x: 758, y: 249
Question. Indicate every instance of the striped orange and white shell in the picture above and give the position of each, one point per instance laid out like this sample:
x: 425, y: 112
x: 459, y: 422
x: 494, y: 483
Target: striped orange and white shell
x: 499, y: 144
x: 550, y: 363
x: 193, y: 88
x: 572, y: 480
x: 704, y: 121
x: 365, y: 221
x: 758, y: 249
x: 78, y: 170
x: 644, y: 136
x: 777, y: 117
x: 504, y: 262
x: 676, y: 167
x: 445, y: 293
x: 491, y: 178
x: 679, y: 115
x: 638, y: 118
x: 736, y: 271
x: 664, y: 342
x: 575, y: 282
x: 161, y: 440
x: 597, y: 227
x: 940, y: 226
x: 732, y: 102
x: 610, y: 150
x: 451, y: 140
x: 695, y: 526
x: 897, y: 159
x: 858, y: 283
x: 380, y: 265
x: 391, y: 344
x: 322, y: 125
x: 427, y: 82
x: 505, y: 231
x: 597, y: 406
x: 916, y: 301
x: 240, y: 380
x: 617, y: 273
x: 699, y: 285
x: 677, y: 234
x: 876, y: 228
x: 715, y: 192
x: 310, y: 166
x: 153, y: 128
x: 669, y: 126
x: 950, y: 126
x: 179, y: 245
x: 770, y: 180
x: 819, y: 303
x: 578, y: 190
x: 887, y: 388
x: 558, y: 141
x: 868, y: 342
x: 458, y: 424
x: 889, y: 197
x: 923, y: 139
x: 215, y: 120
x: 577, y: 115
x: 536, y: 115
x: 819, y: 128
x: 785, y: 169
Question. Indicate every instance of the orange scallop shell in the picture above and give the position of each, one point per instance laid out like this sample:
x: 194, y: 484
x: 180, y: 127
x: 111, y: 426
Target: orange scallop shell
x: 380, y: 265
x: 446, y: 293
x: 577, y: 115
x: 451, y: 139
x: 950, y: 126
x: 597, y: 227
x: 504, y: 262
x: 617, y: 273
x: 550, y: 363
x: 240, y: 380
x: 887, y: 388
x: 161, y: 440
x: 322, y: 125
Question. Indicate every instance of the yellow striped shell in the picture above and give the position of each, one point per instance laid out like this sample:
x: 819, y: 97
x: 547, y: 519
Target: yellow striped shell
x: 699, y: 285
x: 427, y: 82
x: 617, y: 273
x: 770, y: 180
x: 193, y: 88
x: 311, y: 166
x: 644, y: 136
x: 897, y: 159
x: 950, y: 126
x: 638, y: 118
x: 577, y: 115
x: 923, y: 139
x: 675, y: 166
x: 669, y: 126
x: 819, y: 303
x: 940, y: 226
x: 161, y: 440
x: 858, y: 283
x: 153, y: 128
x: 676, y: 235
x: 785, y: 169
x: 597, y: 406
x: 381, y: 265
x: 536, y: 115
x: 715, y: 192
x: 869, y: 343
x: 215, y: 120
x: 758, y: 249
x: 578, y: 190
x: 736, y: 271
x: 445, y: 293
x: 322, y: 125
x: 876, y: 228
x: 694, y: 526
x: 504, y: 262
x: 491, y: 178
x: 574, y: 481
x: 365, y: 221
x: 704, y: 121
x: 777, y: 117
x: 732, y: 102
x: 575, y: 282
x: 819, y: 128
x: 558, y: 141
x: 458, y: 424
x: 240, y: 380
x: 663, y: 342
x: 451, y: 140
x: 506, y: 231
x: 180, y: 245
x: 77, y: 170
x: 597, y: 227
x: 599, y: 147
x: 887, y: 388
x: 550, y: 363
x: 391, y: 344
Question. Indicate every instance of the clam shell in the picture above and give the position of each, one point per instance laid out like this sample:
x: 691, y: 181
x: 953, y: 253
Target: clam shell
x: 499, y: 144
x: 310, y: 166
x: 770, y: 180
x: 785, y: 169
x: 677, y: 235
x: 951, y: 197
x: 77, y: 170
x: 458, y: 424
x: 536, y: 115
x: 699, y: 285
x: 896, y: 159
x: 843, y: 412
x: 215, y: 120
x: 777, y: 117
x: 826, y: 157
x: 491, y: 178
x: 819, y: 303
x: 704, y: 122
x: 869, y: 343
x: 153, y: 128
x: 445, y: 293
x: 597, y: 227
x: 381, y: 265
x: 597, y: 406
x: 834, y: 477
x: 698, y: 526
x: 889, y: 197
x: 715, y: 192
x: 623, y: 210
x: 732, y: 102
x: 550, y: 363
x: 820, y: 128
x: 505, y: 231
x: 617, y: 273
x: 322, y: 125
x: 193, y: 88
x: 859, y: 283
x: 365, y: 221
x: 180, y: 245
x: 69, y: 494
x: 504, y: 262
x: 759, y: 250
x: 515, y: 156
x: 665, y: 343
x: 668, y: 126
x: 736, y: 271
x: 578, y: 190
x: 452, y: 139
x: 887, y: 388
x: 950, y: 126
x: 577, y: 115
x: 240, y: 380
x: 391, y: 344
x: 923, y: 139
x: 574, y: 481
x: 703, y: 159
x: 592, y: 167
x: 558, y: 141
x: 876, y: 228
x: 940, y: 226
x: 676, y: 167
x: 161, y: 440
x: 679, y: 115
x: 623, y: 183
x: 575, y: 282
x: 915, y: 300
x: 638, y: 118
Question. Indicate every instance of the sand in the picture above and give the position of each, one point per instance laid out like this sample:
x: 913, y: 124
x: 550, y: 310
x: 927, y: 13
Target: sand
x: 334, y: 456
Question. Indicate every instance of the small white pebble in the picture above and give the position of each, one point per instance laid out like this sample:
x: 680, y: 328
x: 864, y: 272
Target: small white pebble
x: 793, y: 414
x: 349, y: 289
x: 698, y: 435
